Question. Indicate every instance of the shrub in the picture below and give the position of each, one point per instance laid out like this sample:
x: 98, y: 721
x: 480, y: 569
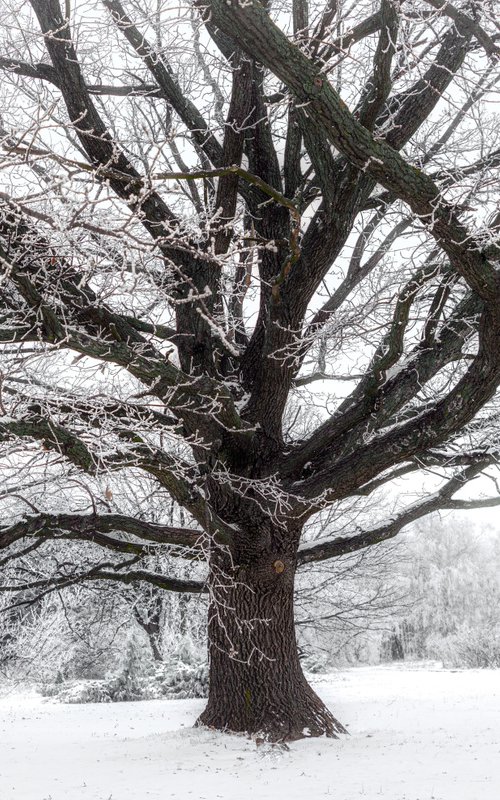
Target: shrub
x: 471, y: 648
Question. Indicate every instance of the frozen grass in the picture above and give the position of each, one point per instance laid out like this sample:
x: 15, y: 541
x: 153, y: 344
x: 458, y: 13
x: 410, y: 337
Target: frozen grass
x: 416, y: 734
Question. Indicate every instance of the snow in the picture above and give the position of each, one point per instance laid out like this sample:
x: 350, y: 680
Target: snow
x: 416, y: 734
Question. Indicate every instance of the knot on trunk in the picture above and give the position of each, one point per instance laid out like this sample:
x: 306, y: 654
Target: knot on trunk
x: 270, y: 570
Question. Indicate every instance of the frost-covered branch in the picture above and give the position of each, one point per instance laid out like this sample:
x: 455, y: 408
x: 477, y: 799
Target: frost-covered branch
x: 440, y: 500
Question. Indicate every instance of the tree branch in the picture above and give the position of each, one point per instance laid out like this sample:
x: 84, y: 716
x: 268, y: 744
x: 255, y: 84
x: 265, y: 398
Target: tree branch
x: 101, y: 573
x: 162, y: 73
x: 379, y: 85
x: 45, y: 72
x: 468, y: 24
x: 89, y: 526
x: 255, y: 32
x: 442, y: 499
x: 88, y: 125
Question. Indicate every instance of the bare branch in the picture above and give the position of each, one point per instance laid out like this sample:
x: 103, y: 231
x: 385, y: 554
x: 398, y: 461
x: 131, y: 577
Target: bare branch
x: 89, y: 526
x: 442, y: 499
x: 468, y: 24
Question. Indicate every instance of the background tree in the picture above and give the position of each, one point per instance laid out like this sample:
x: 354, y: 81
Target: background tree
x: 451, y: 580
x: 205, y: 209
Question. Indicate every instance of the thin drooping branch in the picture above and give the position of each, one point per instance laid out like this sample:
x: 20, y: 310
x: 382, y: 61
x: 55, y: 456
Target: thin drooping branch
x: 105, y: 572
x: 153, y: 578
x: 39, y: 71
x: 440, y: 500
x: 54, y: 437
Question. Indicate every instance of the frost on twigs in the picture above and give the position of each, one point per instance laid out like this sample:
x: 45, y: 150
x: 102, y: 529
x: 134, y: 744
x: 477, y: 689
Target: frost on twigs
x: 248, y: 291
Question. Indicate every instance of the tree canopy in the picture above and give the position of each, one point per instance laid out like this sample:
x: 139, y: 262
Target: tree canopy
x: 249, y: 259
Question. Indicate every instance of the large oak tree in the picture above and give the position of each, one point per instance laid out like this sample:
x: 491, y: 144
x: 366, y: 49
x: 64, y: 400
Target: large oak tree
x: 249, y: 260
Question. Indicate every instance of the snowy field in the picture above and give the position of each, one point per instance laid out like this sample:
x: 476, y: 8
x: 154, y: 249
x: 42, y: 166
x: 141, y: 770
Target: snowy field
x: 416, y: 734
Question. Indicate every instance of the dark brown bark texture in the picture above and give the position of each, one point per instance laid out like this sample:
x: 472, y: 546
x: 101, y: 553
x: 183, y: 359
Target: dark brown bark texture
x: 207, y: 425
x: 256, y: 681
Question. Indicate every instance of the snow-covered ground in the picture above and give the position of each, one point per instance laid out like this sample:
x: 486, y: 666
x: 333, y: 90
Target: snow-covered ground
x: 416, y: 734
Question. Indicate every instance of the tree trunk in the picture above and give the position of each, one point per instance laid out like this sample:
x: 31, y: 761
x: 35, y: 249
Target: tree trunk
x: 150, y: 622
x: 154, y: 638
x: 256, y: 681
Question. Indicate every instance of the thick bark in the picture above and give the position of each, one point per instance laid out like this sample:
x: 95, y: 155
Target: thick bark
x: 256, y: 681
